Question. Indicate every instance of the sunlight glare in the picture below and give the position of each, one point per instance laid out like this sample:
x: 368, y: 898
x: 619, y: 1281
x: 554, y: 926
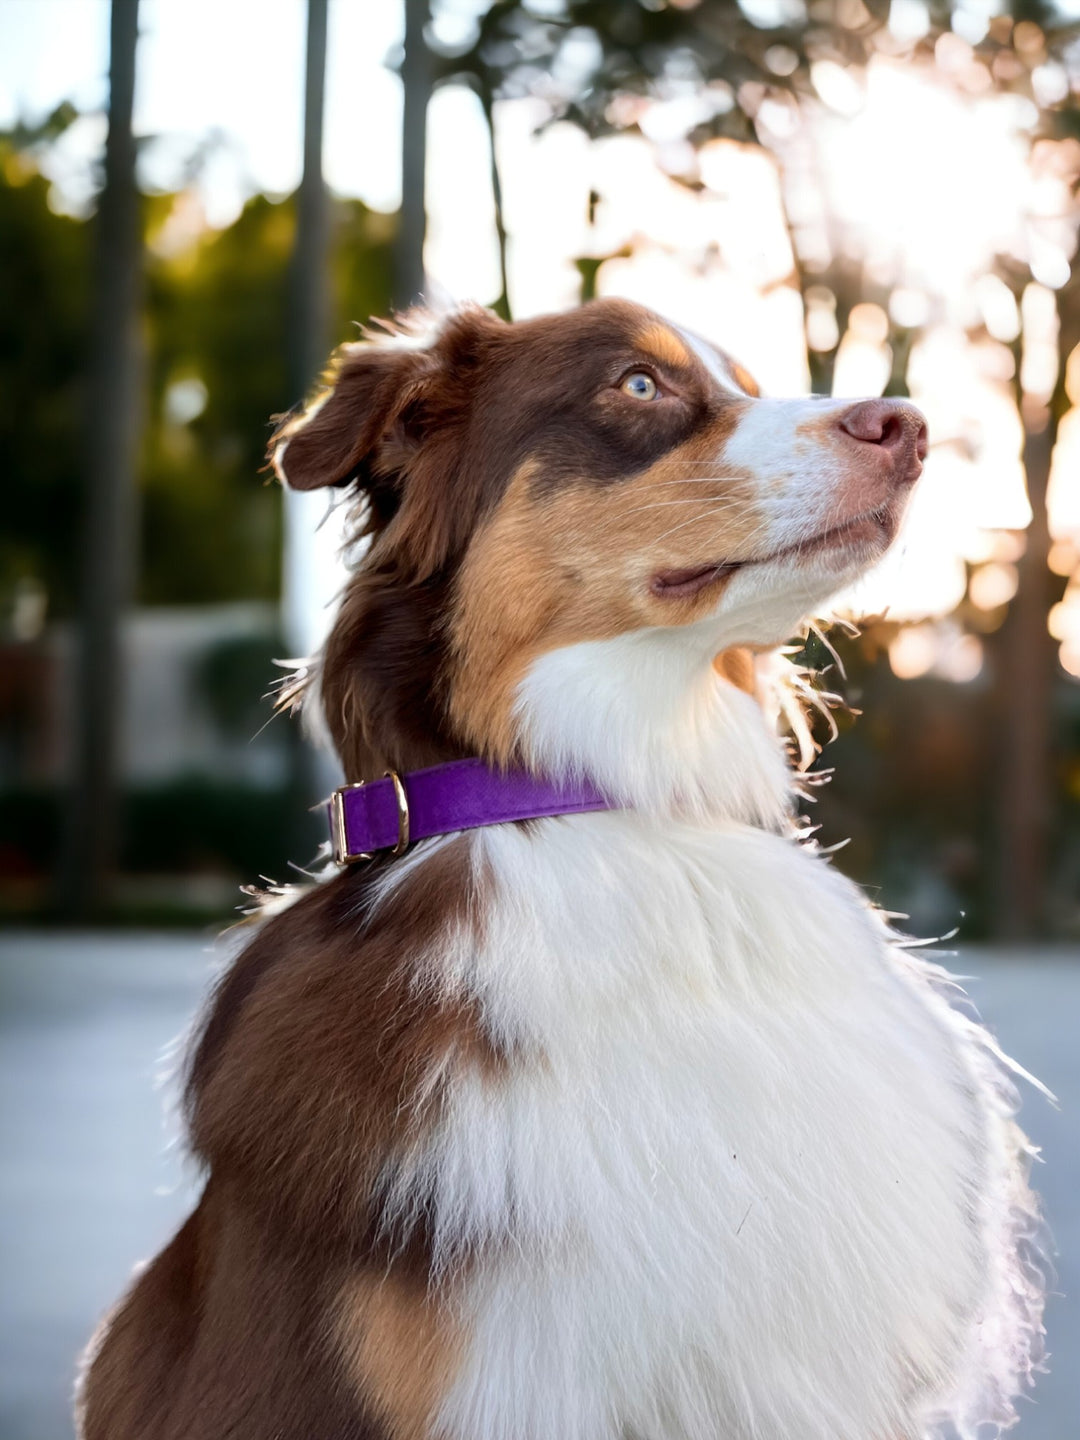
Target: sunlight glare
x: 957, y: 200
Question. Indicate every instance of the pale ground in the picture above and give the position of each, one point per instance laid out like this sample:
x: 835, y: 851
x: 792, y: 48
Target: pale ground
x: 86, y: 1187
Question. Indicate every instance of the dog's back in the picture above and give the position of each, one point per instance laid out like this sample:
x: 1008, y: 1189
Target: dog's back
x: 306, y: 1080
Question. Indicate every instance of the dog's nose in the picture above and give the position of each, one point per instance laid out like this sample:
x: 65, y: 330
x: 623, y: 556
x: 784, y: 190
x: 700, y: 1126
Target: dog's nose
x: 895, y: 429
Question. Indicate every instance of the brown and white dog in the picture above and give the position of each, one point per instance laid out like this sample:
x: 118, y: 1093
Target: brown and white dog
x: 635, y: 1125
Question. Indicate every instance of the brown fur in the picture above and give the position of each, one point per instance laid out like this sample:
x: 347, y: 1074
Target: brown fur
x: 324, y: 1055
x: 335, y: 1038
x: 224, y: 1334
x: 494, y: 469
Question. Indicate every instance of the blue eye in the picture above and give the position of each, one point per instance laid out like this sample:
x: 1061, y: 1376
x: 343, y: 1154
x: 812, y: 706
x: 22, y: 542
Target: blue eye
x: 639, y: 386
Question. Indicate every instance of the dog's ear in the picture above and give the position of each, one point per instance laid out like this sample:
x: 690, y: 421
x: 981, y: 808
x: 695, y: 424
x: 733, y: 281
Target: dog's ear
x: 392, y: 420
x: 335, y: 439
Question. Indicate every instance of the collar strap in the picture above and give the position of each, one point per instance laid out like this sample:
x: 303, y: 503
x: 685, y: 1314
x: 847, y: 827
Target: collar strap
x: 389, y: 814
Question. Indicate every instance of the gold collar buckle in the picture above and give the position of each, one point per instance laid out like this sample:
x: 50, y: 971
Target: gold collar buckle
x: 338, y: 837
x: 338, y: 833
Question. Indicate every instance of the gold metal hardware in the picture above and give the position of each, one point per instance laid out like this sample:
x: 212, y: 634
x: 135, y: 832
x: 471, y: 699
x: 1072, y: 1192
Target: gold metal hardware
x: 402, y: 812
x: 339, y: 835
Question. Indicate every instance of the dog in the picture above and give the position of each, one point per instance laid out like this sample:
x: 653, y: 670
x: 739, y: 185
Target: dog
x: 633, y: 1121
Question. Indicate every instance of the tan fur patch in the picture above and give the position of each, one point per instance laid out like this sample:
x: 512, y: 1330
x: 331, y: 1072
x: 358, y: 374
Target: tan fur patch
x: 556, y: 569
x: 401, y: 1348
x: 664, y: 345
x: 746, y: 380
x: 736, y: 666
x: 817, y: 427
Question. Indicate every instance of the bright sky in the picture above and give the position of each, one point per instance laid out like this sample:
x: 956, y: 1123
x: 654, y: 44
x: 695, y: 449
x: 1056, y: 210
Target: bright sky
x: 235, y: 66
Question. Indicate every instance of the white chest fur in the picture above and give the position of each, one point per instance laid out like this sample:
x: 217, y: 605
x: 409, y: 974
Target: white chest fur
x: 746, y: 1179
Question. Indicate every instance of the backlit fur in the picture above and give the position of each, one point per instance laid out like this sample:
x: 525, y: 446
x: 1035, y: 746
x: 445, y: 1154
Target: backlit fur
x: 636, y: 1125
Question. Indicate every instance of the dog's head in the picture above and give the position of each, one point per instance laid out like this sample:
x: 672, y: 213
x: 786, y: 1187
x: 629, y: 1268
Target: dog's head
x: 543, y: 487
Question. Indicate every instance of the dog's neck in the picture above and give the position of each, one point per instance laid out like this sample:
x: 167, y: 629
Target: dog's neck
x: 674, y: 722
x: 658, y: 724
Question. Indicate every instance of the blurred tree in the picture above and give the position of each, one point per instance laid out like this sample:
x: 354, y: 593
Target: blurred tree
x: 44, y: 302
x: 215, y: 322
x: 109, y: 537
x: 309, y: 272
x: 416, y: 78
x: 582, y: 55
x: 214, y: 329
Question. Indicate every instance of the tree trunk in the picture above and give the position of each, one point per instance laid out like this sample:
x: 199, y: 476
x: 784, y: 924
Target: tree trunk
x: 1026, y: 707
x: 303, y: 584
x: 310, y: 288
x: 416, y: 77
x: 502, y: 304
x: 90, y: 843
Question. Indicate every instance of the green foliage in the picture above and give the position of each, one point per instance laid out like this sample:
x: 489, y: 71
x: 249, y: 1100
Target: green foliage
x: 218, y: 316
x: 909, y: 791
x: 26, y: 137
x: 232, y: 681
x: 191, y: 824
x: 197, y: 824
x: 215, y: 317
x: 44, y: 307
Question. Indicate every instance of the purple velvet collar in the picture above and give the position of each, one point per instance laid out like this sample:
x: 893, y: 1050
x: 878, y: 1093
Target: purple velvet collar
x: 389, y: 814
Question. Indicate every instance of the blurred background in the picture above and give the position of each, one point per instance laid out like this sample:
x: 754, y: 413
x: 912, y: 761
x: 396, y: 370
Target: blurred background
x: 198, y: 198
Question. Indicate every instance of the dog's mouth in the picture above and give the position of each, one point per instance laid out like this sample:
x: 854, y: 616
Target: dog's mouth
x: 872, y: 528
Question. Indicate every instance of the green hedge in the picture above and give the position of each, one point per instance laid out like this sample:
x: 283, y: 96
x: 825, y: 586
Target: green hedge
x: 192, y: 824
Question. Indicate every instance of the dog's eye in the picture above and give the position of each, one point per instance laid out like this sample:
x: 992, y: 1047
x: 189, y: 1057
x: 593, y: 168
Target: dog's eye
x: 640, y: 386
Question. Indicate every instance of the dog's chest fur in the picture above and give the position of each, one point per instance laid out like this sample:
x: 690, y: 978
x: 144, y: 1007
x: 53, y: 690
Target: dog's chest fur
x: 731, y: 1182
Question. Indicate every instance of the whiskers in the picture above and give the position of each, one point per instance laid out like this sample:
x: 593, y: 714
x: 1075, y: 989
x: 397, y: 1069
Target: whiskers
x: 719, y: 504
x: 713, y: 510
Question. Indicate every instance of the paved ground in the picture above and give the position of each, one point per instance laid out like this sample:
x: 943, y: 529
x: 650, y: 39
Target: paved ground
x: 87, y: 1186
